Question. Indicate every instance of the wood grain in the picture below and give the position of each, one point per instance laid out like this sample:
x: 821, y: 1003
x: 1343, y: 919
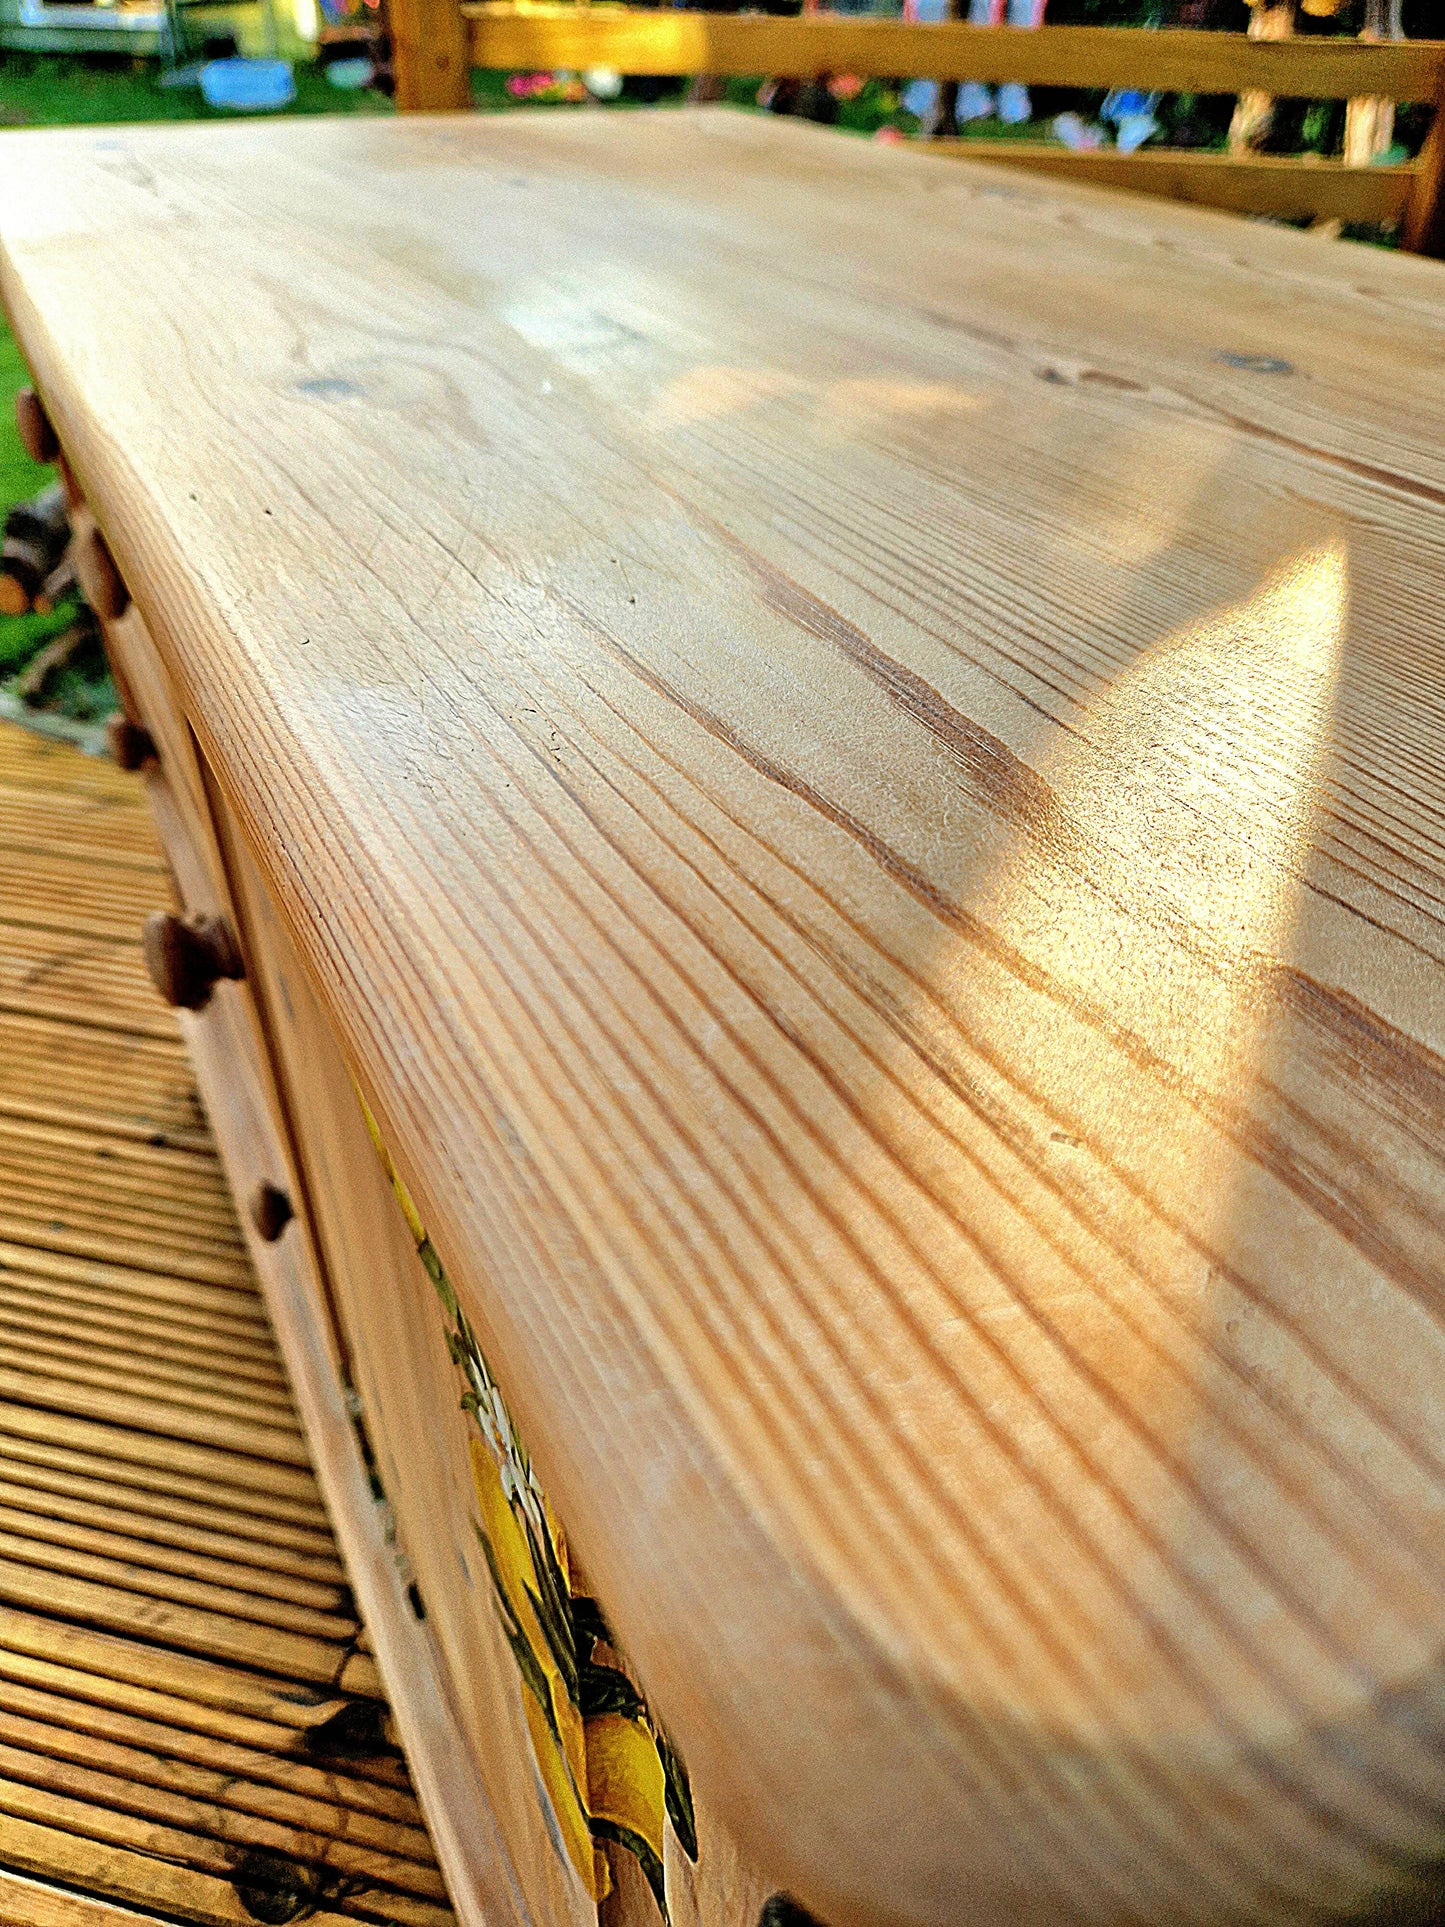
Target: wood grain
x: 429, y: 51
x: 857, y: 770
x: 130, y: 1767
x: 56, y: 1852
x: 32, y: 1903
x: 234, y: 1063
x: 397, y: 1359
x: 1280, y: 184
x: 648, y: 41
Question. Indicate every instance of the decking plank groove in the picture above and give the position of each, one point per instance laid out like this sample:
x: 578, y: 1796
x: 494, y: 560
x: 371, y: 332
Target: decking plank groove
x: 174, y: 1617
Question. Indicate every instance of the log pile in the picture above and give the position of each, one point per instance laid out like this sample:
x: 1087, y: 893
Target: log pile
x: 34, y: 570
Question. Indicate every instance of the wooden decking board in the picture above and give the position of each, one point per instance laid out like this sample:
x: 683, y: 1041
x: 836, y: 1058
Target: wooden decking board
x: 33, y: 762
x: 50, y: 1224
x: 176, y: 1330
x: 315, y: 1811
x: 175, y: 1623
x: 69, y: 895
x: 272, y: 1563
x: 116, y: 1208
x: 241, y: 1307
x: 147, y: 1339
x: 187, y: 1679
x: 179, y: 1136
x: 81, y: 1076
x: 47, y: 1524
x: 34, y: 1903
x: 99, y: 981
x: 176, y: 1893
x: 198, y: 1832
x: 41, y: 1038
x: 109, y: 1187
x: 170, y: 1171
x: 109, y: 1559
x: 161, y: 1742
x: 278, y: 1527
x: 68, y: 1390
x: 124, y: 1187
x: 143, y: 1340
x: 165, y: 1465
x: 91, y: 829
x: 140, y: 1352
x: 173, y: 1371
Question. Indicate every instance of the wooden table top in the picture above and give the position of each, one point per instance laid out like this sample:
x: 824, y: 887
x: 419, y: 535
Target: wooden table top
x: 855, y: 744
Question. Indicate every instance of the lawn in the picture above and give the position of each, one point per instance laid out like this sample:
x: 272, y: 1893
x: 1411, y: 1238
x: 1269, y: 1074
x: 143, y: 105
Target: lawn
x: 20, y: 478
x: 57, y: 90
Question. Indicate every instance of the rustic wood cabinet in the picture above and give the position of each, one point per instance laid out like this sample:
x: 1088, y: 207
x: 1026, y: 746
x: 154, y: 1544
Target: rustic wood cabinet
x: 807, y: 800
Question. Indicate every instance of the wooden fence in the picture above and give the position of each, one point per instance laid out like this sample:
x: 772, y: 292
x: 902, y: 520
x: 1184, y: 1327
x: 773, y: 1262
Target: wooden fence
x: 437, y: 42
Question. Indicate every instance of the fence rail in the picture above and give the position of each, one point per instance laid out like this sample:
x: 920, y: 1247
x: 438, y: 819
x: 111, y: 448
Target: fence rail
x: 1293, y: 187
x: 677, y: 41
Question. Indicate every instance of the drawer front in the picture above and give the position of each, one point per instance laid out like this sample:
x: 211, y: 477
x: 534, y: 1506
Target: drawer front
x: 174, y: 778
x: 395, y: 1358
x: 400, y: 1341
x: 243, y: 1086
x: 374, y: 1361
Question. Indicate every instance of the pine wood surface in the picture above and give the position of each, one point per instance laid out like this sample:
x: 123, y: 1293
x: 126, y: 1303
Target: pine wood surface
x: 853, y: 750
x: 31, y: 1903
x: 397, y: 1359
x: 176, y: 1628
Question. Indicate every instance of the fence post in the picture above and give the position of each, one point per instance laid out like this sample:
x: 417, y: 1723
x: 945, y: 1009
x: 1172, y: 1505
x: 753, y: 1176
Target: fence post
x: 430, y: 56
x: 1423, y: 229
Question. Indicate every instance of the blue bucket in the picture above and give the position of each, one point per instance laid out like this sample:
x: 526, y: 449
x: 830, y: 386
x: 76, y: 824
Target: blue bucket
x: 248, y: 86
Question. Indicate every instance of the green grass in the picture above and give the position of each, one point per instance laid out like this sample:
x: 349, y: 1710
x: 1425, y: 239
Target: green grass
x: 21, y: 636
x: 20, y: 478
x: 59, y: 90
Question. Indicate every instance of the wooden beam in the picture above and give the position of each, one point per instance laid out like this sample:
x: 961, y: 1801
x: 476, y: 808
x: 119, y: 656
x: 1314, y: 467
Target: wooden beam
x: 1280, y: 184
x: 33, y: 1903
x: 1423, y: 230
x: 673, y: 41
x: 430, y: 56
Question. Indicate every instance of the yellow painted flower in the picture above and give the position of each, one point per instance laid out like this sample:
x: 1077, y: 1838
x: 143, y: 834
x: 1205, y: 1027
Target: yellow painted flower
x: 556, y: 1728
x: 606, y: 1774
x: 572, y: 1823
x: 624, y: 1777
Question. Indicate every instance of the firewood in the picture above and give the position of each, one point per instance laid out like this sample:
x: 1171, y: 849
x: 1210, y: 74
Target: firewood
x: 34, y: 540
